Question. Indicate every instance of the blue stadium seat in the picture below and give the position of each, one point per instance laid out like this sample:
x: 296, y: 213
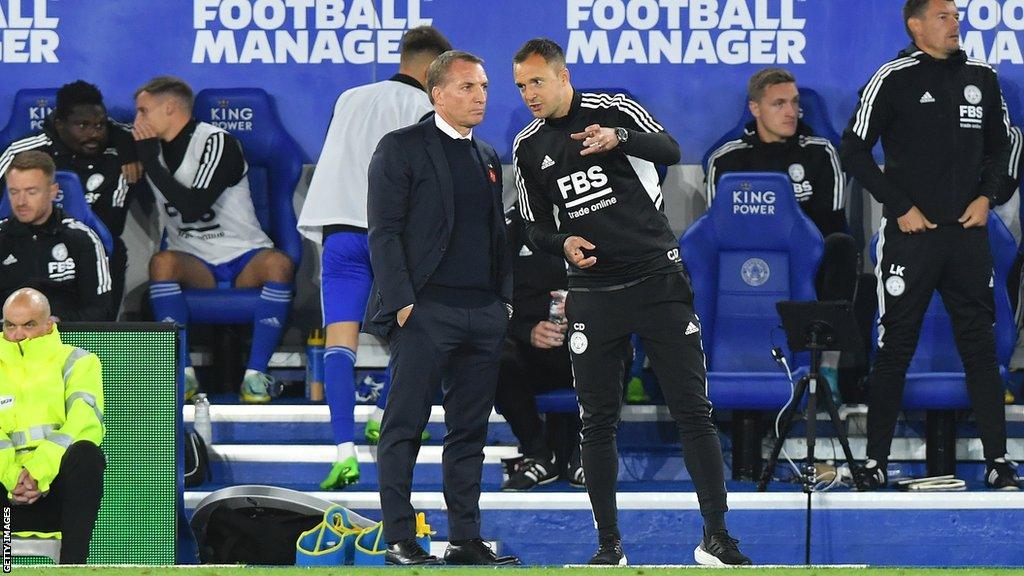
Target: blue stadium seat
x: 935, y: 378
x: 752, y: 249
x: 31, y: 106
x: 812, y: 111
x: 275, y: 166
x: 71, y: 198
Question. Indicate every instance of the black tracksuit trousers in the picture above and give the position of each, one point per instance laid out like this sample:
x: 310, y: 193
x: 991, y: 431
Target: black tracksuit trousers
x: 958, y: 263
x: 660, y: 311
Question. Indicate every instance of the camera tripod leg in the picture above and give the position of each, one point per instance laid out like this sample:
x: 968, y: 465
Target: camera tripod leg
x: 837, y: 424
x: 787, y: 424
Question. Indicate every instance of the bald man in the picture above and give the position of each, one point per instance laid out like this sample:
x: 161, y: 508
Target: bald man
x: 51, y: 426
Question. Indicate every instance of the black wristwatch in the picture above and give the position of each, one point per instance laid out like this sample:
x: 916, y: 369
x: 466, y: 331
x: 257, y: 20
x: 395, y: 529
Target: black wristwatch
x: 622, y: 134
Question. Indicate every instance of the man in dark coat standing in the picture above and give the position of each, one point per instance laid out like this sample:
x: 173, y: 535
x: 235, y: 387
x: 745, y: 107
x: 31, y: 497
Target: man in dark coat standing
x: 441, y: 296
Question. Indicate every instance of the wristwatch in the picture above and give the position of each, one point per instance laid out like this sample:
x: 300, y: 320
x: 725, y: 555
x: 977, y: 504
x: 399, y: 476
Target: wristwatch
x: 622, y: 134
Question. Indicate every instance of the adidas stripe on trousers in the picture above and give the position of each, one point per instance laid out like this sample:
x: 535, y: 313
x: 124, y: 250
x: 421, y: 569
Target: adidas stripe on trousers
x: 911, y: 267
x: 659, y: 310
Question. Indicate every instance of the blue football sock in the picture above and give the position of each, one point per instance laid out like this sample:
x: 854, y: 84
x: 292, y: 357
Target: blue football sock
x: 268, y: 323
x: 169, y: 306
x: 339, y: 389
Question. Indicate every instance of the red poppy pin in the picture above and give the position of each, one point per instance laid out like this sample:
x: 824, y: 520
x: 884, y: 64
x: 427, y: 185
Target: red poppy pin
x: 492, y: 174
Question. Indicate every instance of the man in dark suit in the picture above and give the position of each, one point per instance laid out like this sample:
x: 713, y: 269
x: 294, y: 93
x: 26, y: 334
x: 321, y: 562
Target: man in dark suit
x: 441, y: 296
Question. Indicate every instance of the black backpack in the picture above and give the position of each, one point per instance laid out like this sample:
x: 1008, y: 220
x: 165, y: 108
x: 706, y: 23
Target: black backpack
x: 253, y: 535
x: 197, y: 461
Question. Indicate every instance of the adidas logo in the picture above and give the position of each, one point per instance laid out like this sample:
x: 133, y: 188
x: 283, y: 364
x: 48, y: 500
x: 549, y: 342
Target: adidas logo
x: 10, y: 260
x: 927, y: 98
x: 547, y: 163
x: 272, y: 322
x: 691, y: 328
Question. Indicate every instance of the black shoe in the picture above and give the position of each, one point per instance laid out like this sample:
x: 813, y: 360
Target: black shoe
x: 409, y: 553
x: 609, y: 552
x: 476, y: 553
x: 528, y: 474
x: 577, y: 479
x: 870, y: 477
x: 1002, y: 475
x: 720, y: 549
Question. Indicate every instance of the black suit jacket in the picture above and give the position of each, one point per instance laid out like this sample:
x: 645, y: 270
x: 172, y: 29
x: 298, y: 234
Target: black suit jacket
x: 410, y: 209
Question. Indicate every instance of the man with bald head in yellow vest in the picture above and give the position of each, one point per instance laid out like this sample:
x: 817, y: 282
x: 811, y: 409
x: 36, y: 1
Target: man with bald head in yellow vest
x: 51, y: 426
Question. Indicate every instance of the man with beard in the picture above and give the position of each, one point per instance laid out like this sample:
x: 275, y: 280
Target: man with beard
x: 81, y: 138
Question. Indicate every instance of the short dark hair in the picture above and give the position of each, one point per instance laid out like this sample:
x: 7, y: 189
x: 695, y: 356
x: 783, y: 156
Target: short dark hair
x: 546, y: 48
x: 437, y: 74
x: 423, y: 40
x: 765, y: 78
x: 34, y: 160
x: 77, y: 93
x: 914, y: 9
x: 172, y: 86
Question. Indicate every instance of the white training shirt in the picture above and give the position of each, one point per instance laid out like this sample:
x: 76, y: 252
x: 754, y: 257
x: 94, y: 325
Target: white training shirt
x: 230, y: 228
x: 362, y: 116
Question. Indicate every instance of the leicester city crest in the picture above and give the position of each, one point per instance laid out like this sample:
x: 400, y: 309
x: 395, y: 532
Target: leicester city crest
x: 972, y: 94
x: 755, y: 272
x: 796, y: 172
x: 60, y: 252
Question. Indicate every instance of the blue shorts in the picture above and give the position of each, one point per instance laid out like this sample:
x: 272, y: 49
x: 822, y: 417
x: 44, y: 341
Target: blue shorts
x: 224, y: 274
x: 345, y: 277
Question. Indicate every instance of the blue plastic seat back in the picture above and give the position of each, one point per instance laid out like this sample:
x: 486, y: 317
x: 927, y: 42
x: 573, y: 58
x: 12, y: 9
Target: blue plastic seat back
x: 31, y: 106
x: 71, y: 199
x: 274, y: 158
x: 813, y: 112
x: 753, y: 248
x: 936, y: 348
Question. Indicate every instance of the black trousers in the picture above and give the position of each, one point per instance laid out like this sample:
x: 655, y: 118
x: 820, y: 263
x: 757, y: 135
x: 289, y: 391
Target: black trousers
x: 459, y: 350
x: 71, y: 506
x: 525, y: 372
x: 957, y: 263
x: 660, y: 311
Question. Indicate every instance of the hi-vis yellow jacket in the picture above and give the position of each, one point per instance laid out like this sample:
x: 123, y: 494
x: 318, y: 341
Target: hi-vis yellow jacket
x: 51, y: 396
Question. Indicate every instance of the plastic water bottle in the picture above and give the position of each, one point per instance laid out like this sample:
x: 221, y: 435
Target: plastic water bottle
x: 201, y: 423
x: 555, y: 309
x: 315, y: 365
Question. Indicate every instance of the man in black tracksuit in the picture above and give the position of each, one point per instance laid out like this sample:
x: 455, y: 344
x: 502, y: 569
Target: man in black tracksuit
x: 778, y: 141
x: 82, y: 139
x: 42, y: 248
x: 944, y: 129
x: 592, y: 157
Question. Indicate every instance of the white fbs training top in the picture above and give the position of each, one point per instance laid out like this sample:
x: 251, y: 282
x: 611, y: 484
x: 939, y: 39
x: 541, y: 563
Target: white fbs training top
x: 362, y: 116
x: 229, y: 228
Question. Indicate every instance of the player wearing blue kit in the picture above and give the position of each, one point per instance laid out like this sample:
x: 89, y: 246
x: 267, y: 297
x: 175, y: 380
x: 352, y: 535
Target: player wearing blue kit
x: 334, y: 215
x: 199, y: 178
